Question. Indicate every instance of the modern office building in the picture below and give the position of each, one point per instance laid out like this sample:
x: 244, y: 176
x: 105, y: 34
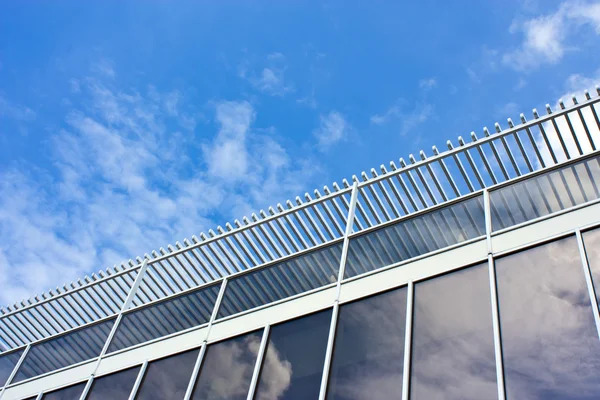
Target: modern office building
x: 465, y: 274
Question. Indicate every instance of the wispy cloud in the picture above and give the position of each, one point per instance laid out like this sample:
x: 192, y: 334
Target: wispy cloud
x: 333, y: 128
x: 14, y: 111
x: 427, y: 84
x: 409, y: 118
x: 270, y: 78
x: 123, y: 180
x: 546, y: 38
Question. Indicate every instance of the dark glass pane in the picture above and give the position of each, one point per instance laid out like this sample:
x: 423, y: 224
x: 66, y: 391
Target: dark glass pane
x: 227, y: 369
x: 168, y: 378
x: 115, y: 386
x: 278, y: 281
x: 591, y: 240
x: 164, y: 318
x: 550, y: 343
x: 416, y: 236
x: 65, y: 350
x: 293, y: 364
x: 31, y: 398
x: 68, y: 393
x: 7, y: 364
x: 368, y: 356
x: 453, y: 339
x: 545, y: 194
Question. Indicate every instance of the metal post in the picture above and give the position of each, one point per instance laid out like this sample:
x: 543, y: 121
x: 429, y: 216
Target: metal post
x: 138, y: 380
x: 87, y: 387
x: 496, y: 327
x: 588, y: 279
x: 328, y: 353
x: 200, y: 359
x: 259, y: 360
x: 487, y: 212
x: 408, y: 341
x: 195, y: 372
x: 349, y: 224
x: 15, y: 369
x: 336, y: 301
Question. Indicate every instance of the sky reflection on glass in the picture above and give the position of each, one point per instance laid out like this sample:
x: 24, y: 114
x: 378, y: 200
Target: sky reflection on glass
x: 550, y: 343
x: 68, y: 393
x: 293, y: 363
x: 168, y: 378
x: 453, y: 339
x: 369, y: 349
x: 114, y: 386
x: 227, y: 369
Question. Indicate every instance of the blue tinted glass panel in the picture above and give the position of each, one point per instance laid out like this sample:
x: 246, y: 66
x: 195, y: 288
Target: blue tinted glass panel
x: 227, y: 369
x: 65, y: 350
x: 168, y: 378
x: 416, y: 236
x: 549, y: 339
x: 114, y: 386
x: 8, y: 362
x: 545, y: 194
x: 368, y: 356
x: 164, y: 318
x: 293, y: 363
x: 279, y: 281
x: 453, y: 340
x: 68, y: 393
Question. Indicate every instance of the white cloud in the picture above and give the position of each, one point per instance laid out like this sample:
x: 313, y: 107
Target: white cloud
x: 545, y: 38
x: 332, y: 128
x: 122, y: 182
x: 227, y: 158
x: 15, y: 111
x: 427, y: 84
x: 269, y: 79
x: 409, y: 120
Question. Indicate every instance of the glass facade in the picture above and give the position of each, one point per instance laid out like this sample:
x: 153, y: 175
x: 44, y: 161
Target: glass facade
x: 114, y: 386
x: 453, y: 339
x: 525, y: 323
x: 294, y: 359
x: 227, y: 368
x: 168, y: 378
x: 549, y: 339
x: 368, y: 358
x: 69, y: 393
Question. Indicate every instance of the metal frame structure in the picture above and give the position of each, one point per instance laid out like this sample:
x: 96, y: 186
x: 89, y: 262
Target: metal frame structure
x: 369, y: 204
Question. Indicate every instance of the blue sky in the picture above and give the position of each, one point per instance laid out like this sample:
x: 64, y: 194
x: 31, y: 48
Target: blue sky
x: 125, y: 127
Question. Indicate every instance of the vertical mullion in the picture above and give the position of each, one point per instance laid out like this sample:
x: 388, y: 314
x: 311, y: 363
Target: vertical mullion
x: 408, y: 341
x: 329, y: 350
x: 138, y: 381
x: 496, y: 327
x: 257, y: 367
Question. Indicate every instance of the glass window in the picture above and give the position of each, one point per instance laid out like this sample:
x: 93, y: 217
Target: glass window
x: 168, y: 378
x: 545, y: 194
x: 293, y: 363
x: 115, y: 386
x: 62, y: 351
x: 282, y: 280
x: 368, y: 355
x: 227, y: 369
x: 68, y: 393
x: 591, y: 239
x: 453, y: 339
x: 549, y: 339
x: 416, y: 236
x: 164, y: 318
x: 8, y: 362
